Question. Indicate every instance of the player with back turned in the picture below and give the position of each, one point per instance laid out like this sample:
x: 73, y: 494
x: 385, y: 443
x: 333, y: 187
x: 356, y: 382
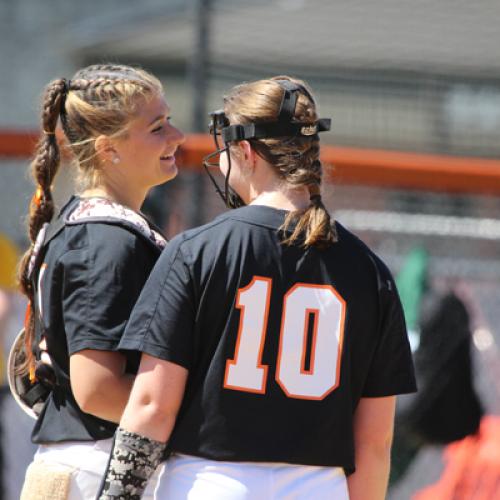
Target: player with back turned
x: 273, y: 340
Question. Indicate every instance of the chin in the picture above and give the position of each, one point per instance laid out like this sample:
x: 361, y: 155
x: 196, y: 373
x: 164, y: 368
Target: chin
x: 169, y: 173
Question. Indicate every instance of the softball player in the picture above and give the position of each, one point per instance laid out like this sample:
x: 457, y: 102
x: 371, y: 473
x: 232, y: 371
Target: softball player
x: 87, y: 266
x: 273, y: 339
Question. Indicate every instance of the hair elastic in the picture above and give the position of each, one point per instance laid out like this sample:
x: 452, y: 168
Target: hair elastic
x: 37, y: 197
x: 314, y: 193
x: 66, y: 86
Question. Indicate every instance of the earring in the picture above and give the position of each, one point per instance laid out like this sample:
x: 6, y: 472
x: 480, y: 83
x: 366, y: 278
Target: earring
x: 115, y: 160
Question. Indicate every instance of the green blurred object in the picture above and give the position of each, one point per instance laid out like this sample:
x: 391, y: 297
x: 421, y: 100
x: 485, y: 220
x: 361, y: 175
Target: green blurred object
x: 411, y: 283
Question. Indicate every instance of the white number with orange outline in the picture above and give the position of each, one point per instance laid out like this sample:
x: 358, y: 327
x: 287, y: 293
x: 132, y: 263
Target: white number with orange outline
x: 247, y: 373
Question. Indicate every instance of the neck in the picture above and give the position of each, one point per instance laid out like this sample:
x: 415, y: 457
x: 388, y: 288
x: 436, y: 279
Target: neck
x: 285, y: 199
x: 129, y: 198
x: 265, y: 188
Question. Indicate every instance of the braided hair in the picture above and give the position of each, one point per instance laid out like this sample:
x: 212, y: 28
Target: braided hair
x: 295, y: 159
x: 98, y: 100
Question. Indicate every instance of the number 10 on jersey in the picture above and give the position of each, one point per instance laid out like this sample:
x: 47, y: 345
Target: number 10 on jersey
x: 303, y: 301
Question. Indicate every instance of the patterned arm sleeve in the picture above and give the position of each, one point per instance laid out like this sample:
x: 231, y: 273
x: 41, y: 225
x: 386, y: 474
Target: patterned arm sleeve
x: 132, y: 462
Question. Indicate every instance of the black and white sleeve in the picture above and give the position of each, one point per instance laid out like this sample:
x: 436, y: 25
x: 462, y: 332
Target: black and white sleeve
x: 132, y: 462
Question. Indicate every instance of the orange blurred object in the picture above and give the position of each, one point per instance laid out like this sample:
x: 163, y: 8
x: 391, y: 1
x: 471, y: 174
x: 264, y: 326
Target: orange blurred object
x: 343, y: 165
x: 37, y: 197
x: 472, y: 469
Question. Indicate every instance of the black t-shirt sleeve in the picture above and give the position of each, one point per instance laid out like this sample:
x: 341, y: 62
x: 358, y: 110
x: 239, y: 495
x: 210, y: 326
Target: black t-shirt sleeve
x: 101, y: 283
x: 391, y: 371
x: 162, y: 322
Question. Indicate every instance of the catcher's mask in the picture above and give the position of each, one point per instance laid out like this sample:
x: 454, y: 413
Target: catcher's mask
x: 29, y: 395
x: 284, y: 126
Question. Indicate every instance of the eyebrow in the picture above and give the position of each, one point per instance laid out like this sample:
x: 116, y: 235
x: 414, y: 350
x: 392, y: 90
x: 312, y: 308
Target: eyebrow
x: 160, y: 117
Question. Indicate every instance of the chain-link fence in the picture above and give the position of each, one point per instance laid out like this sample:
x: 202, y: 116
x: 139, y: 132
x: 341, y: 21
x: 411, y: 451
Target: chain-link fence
x: 414, y: 76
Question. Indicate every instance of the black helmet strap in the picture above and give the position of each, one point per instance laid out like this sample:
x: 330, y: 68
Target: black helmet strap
x: 284, y: 126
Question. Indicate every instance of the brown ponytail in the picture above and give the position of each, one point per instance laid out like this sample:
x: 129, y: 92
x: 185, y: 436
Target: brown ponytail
x: 44, y: 168
x: 313, y: 226
x: 296, y: 160
x: 99, y: 100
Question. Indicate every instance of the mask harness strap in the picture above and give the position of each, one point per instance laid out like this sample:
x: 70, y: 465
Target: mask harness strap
x: 284, y: 126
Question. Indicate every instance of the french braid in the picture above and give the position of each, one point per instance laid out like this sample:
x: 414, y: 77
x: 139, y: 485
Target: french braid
x: 98, y: 100
x: 295, y: 160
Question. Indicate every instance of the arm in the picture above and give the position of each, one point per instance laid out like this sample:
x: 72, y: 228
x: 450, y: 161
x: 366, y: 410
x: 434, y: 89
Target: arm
x: 99, y: 383
x: 101, y: 283
x: 162, y: 327
x: 373, y: 429
x: 146, y: 425
x: 155, y: 399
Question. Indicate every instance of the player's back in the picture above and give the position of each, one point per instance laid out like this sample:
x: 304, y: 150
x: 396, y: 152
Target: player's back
x: 284, y: 342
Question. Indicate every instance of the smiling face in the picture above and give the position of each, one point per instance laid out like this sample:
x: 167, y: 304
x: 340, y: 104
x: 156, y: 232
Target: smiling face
x: 146, y: 151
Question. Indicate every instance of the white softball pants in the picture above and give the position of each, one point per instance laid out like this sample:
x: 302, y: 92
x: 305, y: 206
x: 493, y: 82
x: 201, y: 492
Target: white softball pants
x: 87, y: 462
x: 194, y: 478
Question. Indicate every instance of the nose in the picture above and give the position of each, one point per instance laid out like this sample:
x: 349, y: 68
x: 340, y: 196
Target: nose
x: 176, y: 136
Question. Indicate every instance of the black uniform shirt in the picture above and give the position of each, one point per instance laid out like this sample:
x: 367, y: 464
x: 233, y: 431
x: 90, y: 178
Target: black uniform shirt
x: 90, y: 278
x: 280, y: 342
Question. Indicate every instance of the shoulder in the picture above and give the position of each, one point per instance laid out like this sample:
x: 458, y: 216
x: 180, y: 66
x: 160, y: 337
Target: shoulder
x: 194, y: 246
x: 106, y: 214
x: 103, y: 253
x: 206, y: 231
x: 206, y: 234
x: 101, y: 236
x: 105, y: 233
x: 229, y: 224
x: 360, y: 250
x: 113, y: 238
x: 347, y: 238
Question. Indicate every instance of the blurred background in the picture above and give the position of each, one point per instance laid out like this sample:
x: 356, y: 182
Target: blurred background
x: 412, y: 165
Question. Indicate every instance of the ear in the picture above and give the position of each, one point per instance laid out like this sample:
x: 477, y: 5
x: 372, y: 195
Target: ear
x: 105, y: 149
x: 247, y: 152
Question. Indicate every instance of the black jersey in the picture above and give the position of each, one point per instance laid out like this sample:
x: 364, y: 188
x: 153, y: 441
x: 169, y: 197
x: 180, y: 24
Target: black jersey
x: 280, y: 342
x: 90, y: 275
